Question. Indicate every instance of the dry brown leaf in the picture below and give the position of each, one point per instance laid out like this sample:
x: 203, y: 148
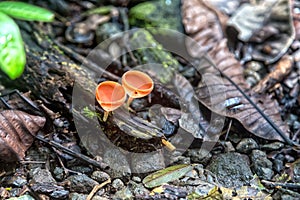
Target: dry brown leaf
x: 17, y: 131
x: 202, y: 24
x: 282, y: 69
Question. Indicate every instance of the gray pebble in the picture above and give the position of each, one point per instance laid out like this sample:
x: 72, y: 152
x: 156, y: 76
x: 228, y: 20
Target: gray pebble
x: 273, y: 146
x: 58, y: 173
x: 231, y: 169
x: 77, y: 196
x: 262, y: 166
x: 100, y: 176
x: 136, y: 179
x: 117, y: 184
x: 81, y: 183
x: 41, y: 176
x: 246, y: 145
x: 60, y: 194
x: 125, y: 193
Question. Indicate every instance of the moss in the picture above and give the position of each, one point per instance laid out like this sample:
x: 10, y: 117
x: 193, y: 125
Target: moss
x: 148, y: 50
x: 159, y: 13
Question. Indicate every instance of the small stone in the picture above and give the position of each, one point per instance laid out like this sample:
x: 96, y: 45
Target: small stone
x: 101, y: 192
x: 125, y: 193
x: 24, y: 197
x: 262, y: 165
x: 100, y: 176
x: 60, y: 194
x: 138, y: 189
x: 41, y: 176
x: 278, y: 165
x: 272, y: 146
x: 117, y: 184
x: 192, y: 174
x: 58, y: 173
x: 199, y: 169
x: 45, y: 188
x: 289, y: 158
x: 231, y: 169
x: 193, y: 182
x: 246, y: 145
x: 136, y: 179
x: 96, y: 197
x: 15, y: 192
x: 180, y: 160
x: 81, y: 183
x: 228, y: 146
x: 17, y: 181
x: 82, y: 169
x: 296, y: 125
x: 77, y: 196
x: 58, y: 122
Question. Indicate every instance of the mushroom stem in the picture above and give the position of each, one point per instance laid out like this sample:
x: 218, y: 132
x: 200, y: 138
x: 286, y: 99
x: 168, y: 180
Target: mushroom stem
x: 168, y: 144
x: 130, y: 99
x: 105, y: 116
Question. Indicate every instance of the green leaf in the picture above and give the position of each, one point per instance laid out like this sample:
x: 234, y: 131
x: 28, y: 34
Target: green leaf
x: 12, y: 53
x: 166, y: 175
x: 25, y: 11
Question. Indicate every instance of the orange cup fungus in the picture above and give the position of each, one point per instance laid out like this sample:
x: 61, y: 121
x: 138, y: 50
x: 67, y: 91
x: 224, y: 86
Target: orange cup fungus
x: 136, y: 84
x: 110, y: 95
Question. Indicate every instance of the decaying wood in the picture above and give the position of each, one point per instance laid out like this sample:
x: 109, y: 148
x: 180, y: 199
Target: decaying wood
x: 51, y: 73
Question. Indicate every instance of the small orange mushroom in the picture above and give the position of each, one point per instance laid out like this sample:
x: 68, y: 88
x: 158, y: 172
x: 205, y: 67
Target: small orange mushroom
x: 110, y: 95
x: 137, y: 84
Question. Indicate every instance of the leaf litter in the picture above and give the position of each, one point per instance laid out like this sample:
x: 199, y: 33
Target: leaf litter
x: 257, y: 113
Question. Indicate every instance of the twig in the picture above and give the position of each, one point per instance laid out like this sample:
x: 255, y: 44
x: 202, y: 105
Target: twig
x: 228, y: 129
x: 2, y: 174
x: 96, y: 188
x: 73, y: 153
x: 296, y: 135
x: 66, y: 170
x: 32, y: 162
x: 286, y: 185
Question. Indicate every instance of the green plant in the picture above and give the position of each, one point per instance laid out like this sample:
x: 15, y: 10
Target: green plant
x: 12, y: 52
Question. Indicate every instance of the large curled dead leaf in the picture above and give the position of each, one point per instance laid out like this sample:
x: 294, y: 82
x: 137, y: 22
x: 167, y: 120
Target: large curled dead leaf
x: 166, y: 175
x: 17, y: 131
x: 259, y: 114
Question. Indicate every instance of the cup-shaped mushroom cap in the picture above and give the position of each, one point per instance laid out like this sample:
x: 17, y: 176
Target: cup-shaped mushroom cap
x: 110, y: 95
x: 137, y: 84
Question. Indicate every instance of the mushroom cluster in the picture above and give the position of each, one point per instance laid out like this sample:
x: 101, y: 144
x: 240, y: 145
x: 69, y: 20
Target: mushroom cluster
x: 111, y: 95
